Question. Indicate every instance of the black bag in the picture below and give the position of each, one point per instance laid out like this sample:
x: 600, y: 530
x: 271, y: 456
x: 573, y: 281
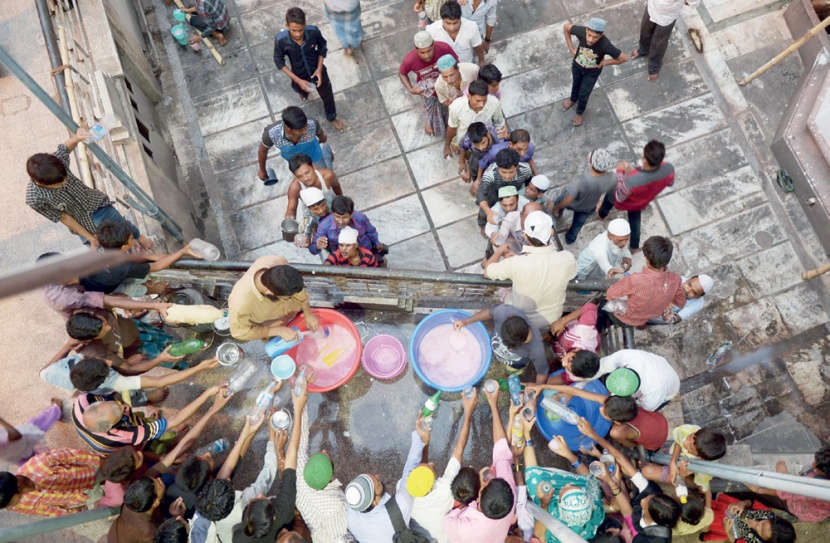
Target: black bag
x: 402, y: 533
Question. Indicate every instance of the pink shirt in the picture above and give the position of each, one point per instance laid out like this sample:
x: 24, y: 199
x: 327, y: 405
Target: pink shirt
x: 66, y: 298
x: 469, y: 525
x: 805, y: 508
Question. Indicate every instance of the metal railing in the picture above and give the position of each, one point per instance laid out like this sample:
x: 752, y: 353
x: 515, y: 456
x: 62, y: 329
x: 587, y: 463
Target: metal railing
x: 31, y: 529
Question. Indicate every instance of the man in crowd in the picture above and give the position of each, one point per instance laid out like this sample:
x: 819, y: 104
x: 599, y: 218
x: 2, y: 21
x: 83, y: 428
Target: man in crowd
x: 211, y: 18
x: 695, y: 287
x: 588, y: 62
x: 454, y: 80
x: 479, y: 106
x: 343, y: 215
x: 344, y: 17
x: 462, y: 34
x: 647, y: 377
x: 316, y: 209
x: 537, y: 189
x: 506, y: 171
x: 483, y: 14
x: 607, y: 255
x: 509, y: 202
x: 308, y: 176
x: 349, y: 253
x: 423, y: 61
x: 294, y: 133
x: 655, y: 31
x: 540, y: 274
x: 637, y: 186
x: 582, y: 194
x: 266, y: 298
x: 306, y: 49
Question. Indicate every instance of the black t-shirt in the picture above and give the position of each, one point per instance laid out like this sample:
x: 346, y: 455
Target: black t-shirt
x: 589, y: 56
x: 652, y: 534
x: 284, y: 503
x: 108, y: 280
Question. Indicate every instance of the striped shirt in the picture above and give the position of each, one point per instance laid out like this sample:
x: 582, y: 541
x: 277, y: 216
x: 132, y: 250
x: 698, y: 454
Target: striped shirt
x: 491, y: 182
x: 367, y: 259
x: 649, y: 292
x: 61, y: 477
x: 130, y: 430
x: 73, y: 198
x: 665, y: 12
x: 215, y: 15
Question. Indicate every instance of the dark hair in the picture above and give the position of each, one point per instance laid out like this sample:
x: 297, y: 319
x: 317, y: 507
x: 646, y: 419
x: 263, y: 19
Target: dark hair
x: 507, y: 158
x: 283, y: 280
x: 489, y: 73
x: 171, y: 531
x: 822, y: 459
x: 514, y: 331
x: 654, y: 152
x: 710, y: 444
x: 193, y: 474
x: 535, y: 242
x: 119, y: 466
x: 9, y: 488
x: 585, y: 364
x: 45, y: 169
x: 477, y: 131
x: 216, y: 500
x: 520, y: 135
x: 298, y: 160
x: 782, y: 531
x: 466, y: 486
x: 605, y: 537
x: 664, y: 510
x: 141, y: 495
x: 496, y: 499
x: 258, y: 518
x: 295, y: 15
x: 477, y: 88
x: 88, y: 374
x: 342, y: 205
x: 658, y: 251
x: 693, y: 510
x: 84, y: 326
x: 294, y: 117
x: 620, y: 408
x: 451, y: 10
x: 114, y: 233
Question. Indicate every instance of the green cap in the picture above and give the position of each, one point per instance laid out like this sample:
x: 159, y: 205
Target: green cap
x: 318, y: 471
x: 622, y: 382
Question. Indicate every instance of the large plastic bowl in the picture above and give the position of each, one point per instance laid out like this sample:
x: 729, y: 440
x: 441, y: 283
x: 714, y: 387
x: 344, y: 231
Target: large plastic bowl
x: 343, y: 369
x: 384, y: 357
x: 583, y: 408
x: 448, y: 316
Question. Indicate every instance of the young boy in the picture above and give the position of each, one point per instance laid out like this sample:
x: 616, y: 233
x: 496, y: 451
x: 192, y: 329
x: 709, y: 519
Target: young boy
x: 576, y: 330
x: 508, y: 170
x: 486, y: 152
x: 58, y: 195
x: 651, y: 290
x: 479, y: 147
x: 349, y: 253
x: 519, y: 141
x: 690, y: 441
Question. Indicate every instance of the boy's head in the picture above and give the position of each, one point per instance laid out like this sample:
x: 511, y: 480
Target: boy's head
x: 46, y: 170
x: 85, y: 326
x: 479, y: 136
x: 295, y: 121
x: 496, y: 501
x: 115, y: 234
x: 216, y: 500
x: 144, y: 494
x: 662, y: 509
x: 619, y: 408
x: 295, y: 22
x: 658, y: 251
x: 121, y: 464
x: 9, y: 488
x: 258, y: 517
x: 515, y: 332
x: 780, y: 531
x: 342, y: 207
x: 581, y: 363
x: 172, y: 530
x: 654, y: 152
x: 491, y: 76
x: 821, y: 462
x: 282, y: 281
x: 709, y: 444
x: 507, y: 162
x: 519, y: 141
x: 195, y: 473
x: 466, y: 486
x: 89, y: 373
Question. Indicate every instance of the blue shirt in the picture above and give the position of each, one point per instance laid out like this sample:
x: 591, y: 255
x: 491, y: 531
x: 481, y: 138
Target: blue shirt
x: 367, y: 235
x: 309, y: 143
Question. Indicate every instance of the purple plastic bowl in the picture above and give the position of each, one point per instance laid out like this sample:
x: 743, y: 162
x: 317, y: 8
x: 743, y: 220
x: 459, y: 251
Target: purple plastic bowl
x: 384, y: 357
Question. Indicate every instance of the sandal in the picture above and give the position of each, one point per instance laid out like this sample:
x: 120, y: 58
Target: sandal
x: 784, y: 180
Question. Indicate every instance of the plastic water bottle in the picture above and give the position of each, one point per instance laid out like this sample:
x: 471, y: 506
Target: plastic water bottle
x: 680, y: 489
x: 469, y: 392
x: 736, y: 533
x: 565, y: 413
x: 618, y: 306
x: 263, y: 403
x: 714, y: 359
x: 515, y: 388
x: 300, y: 384
x: 431, y: 405
x: 491, y: 385
x: 517, y: 432
x: 241, y: 375
x: 186, y: 347
x: 102, y: 128
x: 422, y: 18
x: 608, y: 459
x: 217, y: 447
x: 207, y: 251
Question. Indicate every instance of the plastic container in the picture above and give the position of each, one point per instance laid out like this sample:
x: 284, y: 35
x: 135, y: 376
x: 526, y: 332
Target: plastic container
x: 431, y: 404
x: 469, y: 392
x: 102, y: 128
x: 277, y: 346
x: 229, y: 353
x: 222, y: 326
x: 587, y: 409
x: 283, y: 367
x: 281, y: 420
x: 515, y: 388
x: 422, y: 19
x: 179, y: 32
x: 681, y: 489
x: 491, y: 385
x: 179, y: 15
x: 270, y: 177
x: 193, y: 314
x: 207, y: 251
x: 595, y: 468
x: 263, y: 403
x: 608, y: 459
x: 517, y: 431
x: 183, y: 348
x: 243, y: 373
x: 618, y: 306
x: 217, y: 447
x: 554, y: 407
x: 384, y: 357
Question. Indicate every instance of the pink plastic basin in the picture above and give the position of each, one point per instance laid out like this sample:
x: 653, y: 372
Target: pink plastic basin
x: 384, y: 357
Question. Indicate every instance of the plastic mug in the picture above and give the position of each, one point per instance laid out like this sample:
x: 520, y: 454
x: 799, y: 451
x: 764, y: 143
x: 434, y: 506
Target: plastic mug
x: 301, y: 240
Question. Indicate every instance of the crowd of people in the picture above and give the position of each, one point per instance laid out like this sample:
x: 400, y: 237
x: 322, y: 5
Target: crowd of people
x: 140, y: 461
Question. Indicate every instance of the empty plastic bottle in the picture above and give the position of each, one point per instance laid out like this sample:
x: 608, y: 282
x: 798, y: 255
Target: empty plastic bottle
x: 300, y: 384
x: 517, y: 432
x: 565, y: 413
x: 608, y: 459
x: 241, y: 375
x: 102, y: 128
x: 430, y: 405
x: 207, y: 251
x: 595, y: 468
x: 263, y: 403
x: 618, y: 306
x: 515, y: 388
x: 680, y: 489
x: 217, y: 447
x: 186, y: 347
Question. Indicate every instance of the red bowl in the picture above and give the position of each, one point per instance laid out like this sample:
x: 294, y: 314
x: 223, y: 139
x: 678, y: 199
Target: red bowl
x: 312, y: 350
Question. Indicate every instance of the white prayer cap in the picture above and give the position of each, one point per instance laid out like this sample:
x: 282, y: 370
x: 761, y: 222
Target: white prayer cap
x: 348, y: 236
x: 706, y: 282
x: 538, y: 225
x: 312, y: 196
x: 541, y: 182
x: 619, y: 227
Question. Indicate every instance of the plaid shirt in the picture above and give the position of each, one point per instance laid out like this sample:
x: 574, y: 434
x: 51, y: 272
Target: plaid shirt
x: 367, y: 235
x: 214, y: 13
x: 367, y: 259
x: 73, y: 198
x: 61, y: 477
x: 130, y: 430
x: 649, y: 293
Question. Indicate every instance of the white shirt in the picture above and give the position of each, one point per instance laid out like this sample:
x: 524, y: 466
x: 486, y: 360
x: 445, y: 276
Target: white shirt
x: 467, y: 39
x: 659, y: 381
x: 506, y: 226
x: 428, y: 512
x: 484, y: 16
x: 461, y: 116
x: 665, y: 12
x: 600, y: 256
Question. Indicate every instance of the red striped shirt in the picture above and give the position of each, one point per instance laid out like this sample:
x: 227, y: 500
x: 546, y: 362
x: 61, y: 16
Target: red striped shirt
x: 649, y: 293
x: 367, y: 259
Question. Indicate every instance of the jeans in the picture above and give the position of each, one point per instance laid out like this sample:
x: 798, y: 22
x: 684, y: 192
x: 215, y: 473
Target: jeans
x: 324, y: 90
x: 578, y: 221
x: 328, y: 157
x: 110, y: 213
x: 633, y: 218
x: 654, y: 40
x: 584, y: 80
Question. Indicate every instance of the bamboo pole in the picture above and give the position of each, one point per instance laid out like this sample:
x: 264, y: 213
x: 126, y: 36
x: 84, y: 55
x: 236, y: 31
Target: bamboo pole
x: 783, y: 54
x: 209, y: 44
x: 812, y: 274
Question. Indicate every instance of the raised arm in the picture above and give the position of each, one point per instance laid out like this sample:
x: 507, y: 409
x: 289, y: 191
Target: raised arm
x: 461, y: 441
x: 236, y: 451
x: 190, y: 409
x: 294, y: 443
x: 148, y: 381
x: 168, y: 260
x: 498, y: 427
x: 573, y: 391
x: 483, y: 315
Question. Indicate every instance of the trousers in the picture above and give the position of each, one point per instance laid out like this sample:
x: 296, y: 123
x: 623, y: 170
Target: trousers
x: 654, y: 40
x: 584, y: 80
x: 633, y: 218
x: 324, y: 90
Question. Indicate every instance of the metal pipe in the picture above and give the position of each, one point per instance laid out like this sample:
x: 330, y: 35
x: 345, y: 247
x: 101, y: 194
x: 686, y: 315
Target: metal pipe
x: 83, y: 159
x: 16, y: 533
x: 52, y: 50
x: 169, y: 224
x: 803, y: 486
x: 555, y: 526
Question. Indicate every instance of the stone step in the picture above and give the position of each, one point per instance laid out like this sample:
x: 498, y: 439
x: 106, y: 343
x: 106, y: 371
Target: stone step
x: 738, y: 455
x: 796, y: 462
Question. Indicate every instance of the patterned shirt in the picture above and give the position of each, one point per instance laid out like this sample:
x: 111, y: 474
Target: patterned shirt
x: 73, y: 198
x: 215, y: 15
x: 649, y: 292
x: 367, y: 235
x: 309, y: 143
x: 60, y: 476
x: 805, y: 508
x: 491, y: 182
x: 130, y: 430
x: 367, y: 259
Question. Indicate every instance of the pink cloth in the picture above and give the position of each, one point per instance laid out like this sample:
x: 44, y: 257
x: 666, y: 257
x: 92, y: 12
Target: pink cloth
x: 579, y: 334
x: 805, y: 508
x: 113, y: 494
x: 66, y: 298
x: 469, y: 525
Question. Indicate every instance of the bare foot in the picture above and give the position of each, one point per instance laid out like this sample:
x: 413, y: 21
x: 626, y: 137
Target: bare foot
x: 57, y: 402
x: 635, y: 53
x: 158, y: 395
x: 577, y: 120
x: 146, y: 243
x: 635, y: 251
x: 483, y: 234
x: 653, y: 77
x: 428, y: 130
x: 348, y: 52
x: 338, y: 125
x: 568, y: 104
x: 220, y: 38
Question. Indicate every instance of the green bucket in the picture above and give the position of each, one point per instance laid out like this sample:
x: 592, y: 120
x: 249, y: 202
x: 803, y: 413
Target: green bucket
x: 180, y: 33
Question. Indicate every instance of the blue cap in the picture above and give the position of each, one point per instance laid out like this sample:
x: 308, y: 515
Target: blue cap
x: 596, y: 24
x: 446, y: 62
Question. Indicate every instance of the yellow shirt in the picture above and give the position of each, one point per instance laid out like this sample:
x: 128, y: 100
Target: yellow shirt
x: 684, y: 528
x: 680, y: 434
x: 251, y: 313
